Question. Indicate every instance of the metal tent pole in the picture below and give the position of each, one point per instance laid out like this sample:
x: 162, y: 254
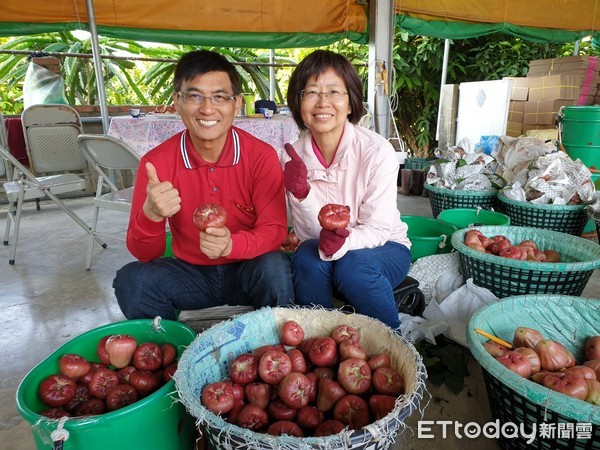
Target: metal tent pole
x: 272, y: 75
x: 442, y: 83
x: 381, y: 38
x: 98, y: 65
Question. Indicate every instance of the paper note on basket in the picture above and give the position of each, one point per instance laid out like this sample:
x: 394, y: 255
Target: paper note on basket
x: 212, y: 350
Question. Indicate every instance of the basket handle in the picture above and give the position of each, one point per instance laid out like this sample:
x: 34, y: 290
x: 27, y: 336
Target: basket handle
x: 444, y: 239
x: 60, y: 435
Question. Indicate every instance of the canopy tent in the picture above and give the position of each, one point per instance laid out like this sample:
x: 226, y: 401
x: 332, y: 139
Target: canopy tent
x: 223, y: 23
x: 307, y: 23
x: 532, y: 20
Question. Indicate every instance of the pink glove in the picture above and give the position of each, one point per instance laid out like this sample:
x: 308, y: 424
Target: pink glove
x: 295, y: 173
x: 331, y: 241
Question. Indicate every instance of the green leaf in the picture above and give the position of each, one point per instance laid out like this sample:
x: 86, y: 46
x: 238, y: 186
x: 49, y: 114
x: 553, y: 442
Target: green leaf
x: 455, y: 363
x: 436, y: 378
x: 454, y: 382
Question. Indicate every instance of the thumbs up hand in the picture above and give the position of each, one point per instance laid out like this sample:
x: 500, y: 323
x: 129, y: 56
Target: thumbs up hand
x: 162, y: 199
x: 295, y: 173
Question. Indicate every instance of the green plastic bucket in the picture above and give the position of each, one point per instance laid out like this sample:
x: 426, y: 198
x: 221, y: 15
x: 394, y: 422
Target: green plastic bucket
x: 158, y: 421
x: 580, y: 135
x: 466, y: 217
x: 428, y: 236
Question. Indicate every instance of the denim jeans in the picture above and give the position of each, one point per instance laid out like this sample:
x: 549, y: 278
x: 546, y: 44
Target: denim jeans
x: 366, y: 278
x: 159, y: 287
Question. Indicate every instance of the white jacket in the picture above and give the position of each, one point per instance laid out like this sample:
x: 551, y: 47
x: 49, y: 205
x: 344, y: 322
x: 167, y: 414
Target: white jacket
x: 363, y: 175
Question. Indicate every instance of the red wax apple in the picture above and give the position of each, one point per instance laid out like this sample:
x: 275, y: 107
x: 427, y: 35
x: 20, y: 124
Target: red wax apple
x: 209, y: 215
x: 332, y: 216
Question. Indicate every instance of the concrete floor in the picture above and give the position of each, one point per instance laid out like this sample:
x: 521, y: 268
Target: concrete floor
x: 48, y: 297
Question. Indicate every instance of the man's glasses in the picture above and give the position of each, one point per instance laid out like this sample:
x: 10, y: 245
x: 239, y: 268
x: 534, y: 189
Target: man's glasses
x: 198, y: 99
x: 313, y: 96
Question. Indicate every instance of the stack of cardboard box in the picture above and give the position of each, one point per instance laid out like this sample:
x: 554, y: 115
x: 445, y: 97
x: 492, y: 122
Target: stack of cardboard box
x: 519, y: 93
x: 535, y: 101
x: 557, y: 82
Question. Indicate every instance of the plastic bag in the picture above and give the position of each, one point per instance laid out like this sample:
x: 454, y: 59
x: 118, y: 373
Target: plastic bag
x: 487, y: 144
x: 42, y: 86
x: 450, y: 317
x: 429, y: 269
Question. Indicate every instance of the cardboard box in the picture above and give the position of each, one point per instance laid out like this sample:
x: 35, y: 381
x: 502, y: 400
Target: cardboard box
x: 514, y: 129
x: 565, y: 64
x: 519, y: 88
x: 535, y: 126
x: 555, y: 87
x: 515, y: 111
x: 543, y: 112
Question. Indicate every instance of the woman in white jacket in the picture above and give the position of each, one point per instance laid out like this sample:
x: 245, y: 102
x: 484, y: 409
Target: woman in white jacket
x: 336, y: 161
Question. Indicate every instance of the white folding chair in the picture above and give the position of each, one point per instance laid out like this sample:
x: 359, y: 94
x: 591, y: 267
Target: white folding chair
x: 51, y: 133
x: 107, y: 154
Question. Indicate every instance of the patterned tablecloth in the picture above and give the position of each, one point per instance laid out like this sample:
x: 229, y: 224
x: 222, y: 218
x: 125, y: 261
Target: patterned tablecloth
x: 145, y: 133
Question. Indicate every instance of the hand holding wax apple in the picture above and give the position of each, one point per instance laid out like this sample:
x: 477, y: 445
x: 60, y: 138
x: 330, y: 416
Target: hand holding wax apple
x: 209, y: 215
x: 334, y: 219
x: 217, y: 243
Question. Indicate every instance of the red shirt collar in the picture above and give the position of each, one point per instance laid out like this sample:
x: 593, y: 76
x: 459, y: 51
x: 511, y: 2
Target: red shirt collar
x: 229, y: 157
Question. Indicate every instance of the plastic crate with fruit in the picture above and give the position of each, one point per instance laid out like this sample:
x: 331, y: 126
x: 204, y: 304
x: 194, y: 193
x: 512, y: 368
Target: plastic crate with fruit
x: 505, y: 277
x: 158, y: 420
x: 208, y: 358
x: 570, y: 423
x: 444, y: 198
x: 570, y: 219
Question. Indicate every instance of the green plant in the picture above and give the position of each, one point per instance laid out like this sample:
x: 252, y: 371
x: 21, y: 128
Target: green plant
x: 445, y: 363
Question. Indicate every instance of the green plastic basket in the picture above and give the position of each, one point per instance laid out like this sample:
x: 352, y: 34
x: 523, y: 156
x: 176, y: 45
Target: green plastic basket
x: 418, y: 163
x: 506, y: 277
x: 466, y: 217
x: 514, y: 399
x: 442, y: 198
x: 570, y: 219
x: 428, y: 236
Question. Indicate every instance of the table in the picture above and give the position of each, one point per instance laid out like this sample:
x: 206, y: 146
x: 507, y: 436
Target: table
x: 145, y: 133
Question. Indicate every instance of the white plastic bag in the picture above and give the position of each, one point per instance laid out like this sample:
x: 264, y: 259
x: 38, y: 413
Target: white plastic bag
x: 428, y: 269
x: 42, y: 86
x: 456, y: 310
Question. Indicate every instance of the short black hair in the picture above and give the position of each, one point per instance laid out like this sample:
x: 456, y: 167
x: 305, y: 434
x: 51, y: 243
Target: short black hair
x: 315, y: 64
x: 199, y: 62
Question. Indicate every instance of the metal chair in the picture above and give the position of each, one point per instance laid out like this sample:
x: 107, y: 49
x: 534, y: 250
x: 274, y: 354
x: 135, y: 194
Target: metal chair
x: 50, y: 136
x: 107, y: 154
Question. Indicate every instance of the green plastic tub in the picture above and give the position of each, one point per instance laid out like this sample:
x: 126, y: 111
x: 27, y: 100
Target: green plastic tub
x: 158, y: 421
x: 467, y: 217
x: 580, y: 136
x: 428, y: 236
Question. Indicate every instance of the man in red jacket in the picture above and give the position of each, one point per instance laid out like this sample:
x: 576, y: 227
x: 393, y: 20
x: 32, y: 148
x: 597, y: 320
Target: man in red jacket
x: 211, y: 161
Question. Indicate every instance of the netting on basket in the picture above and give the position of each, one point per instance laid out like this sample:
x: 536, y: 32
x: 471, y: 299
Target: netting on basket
x: 206, y: 359
x: 567, y: 319
x: 506, y: 277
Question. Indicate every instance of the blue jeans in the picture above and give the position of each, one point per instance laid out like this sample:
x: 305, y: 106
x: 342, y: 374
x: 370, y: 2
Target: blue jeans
x: 366, y: 278
x: 159, y: 287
